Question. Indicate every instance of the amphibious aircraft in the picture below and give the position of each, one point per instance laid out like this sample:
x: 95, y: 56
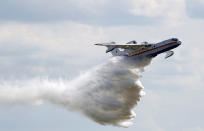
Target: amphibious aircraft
x: 144, y: 49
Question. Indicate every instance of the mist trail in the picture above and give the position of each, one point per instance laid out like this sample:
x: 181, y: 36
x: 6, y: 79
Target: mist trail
x: 107, y: 93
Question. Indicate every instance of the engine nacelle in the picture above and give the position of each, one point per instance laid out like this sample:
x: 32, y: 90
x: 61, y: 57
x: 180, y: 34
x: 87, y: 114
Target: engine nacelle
x: 132, y: 42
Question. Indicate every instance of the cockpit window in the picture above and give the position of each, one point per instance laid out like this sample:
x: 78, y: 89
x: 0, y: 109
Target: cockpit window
x: 174, y: 39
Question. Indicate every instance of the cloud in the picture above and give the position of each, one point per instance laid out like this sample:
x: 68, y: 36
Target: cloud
x: 46, y: 49
x: 158, y: 8
x: 102, y: 12
x: 57, y: 38
x: 49, y: 48
x: 195, y: 8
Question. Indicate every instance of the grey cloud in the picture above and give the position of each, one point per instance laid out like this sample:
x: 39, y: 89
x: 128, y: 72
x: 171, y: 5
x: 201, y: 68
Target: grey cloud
x: 28, y: 61
x: 38, y: 50
x: 110, y: 13
x: 195, y: 8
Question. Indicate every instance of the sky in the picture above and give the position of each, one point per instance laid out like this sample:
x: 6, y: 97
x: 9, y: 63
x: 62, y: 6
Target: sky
x: 54, y: 39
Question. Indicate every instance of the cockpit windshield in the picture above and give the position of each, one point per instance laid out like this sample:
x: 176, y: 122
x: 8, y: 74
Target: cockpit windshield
x: 174, y: 39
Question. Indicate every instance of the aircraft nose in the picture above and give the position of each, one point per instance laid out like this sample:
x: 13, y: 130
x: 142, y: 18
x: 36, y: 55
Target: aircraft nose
x: 179, y: 42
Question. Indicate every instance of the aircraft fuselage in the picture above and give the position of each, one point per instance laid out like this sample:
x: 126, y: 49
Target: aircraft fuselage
x: 157, y: 48
x: 145, y: 49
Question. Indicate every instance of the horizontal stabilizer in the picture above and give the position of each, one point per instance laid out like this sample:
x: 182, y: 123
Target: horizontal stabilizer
x: 168, y: 54
x: 127, y: 46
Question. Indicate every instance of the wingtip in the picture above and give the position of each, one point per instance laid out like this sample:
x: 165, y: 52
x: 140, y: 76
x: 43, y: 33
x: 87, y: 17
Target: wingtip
x: 97, y: 44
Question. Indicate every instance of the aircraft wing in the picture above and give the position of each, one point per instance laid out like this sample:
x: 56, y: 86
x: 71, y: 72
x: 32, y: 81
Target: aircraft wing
x: 128, y: 46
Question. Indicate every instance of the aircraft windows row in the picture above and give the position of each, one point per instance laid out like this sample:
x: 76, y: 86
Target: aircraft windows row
x: 148, y: 45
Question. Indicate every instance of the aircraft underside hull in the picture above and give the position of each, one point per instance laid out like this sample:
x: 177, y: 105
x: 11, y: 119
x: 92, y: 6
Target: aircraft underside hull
x: 162, y: 51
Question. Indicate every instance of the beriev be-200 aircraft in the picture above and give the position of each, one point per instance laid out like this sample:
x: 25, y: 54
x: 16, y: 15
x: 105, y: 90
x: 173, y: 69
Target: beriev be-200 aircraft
x: 131, y: 48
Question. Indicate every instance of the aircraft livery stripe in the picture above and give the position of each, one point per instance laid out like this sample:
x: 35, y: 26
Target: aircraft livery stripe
x: 151, y: 49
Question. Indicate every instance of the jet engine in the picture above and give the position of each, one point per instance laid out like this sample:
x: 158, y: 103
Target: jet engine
x: 132, y: 42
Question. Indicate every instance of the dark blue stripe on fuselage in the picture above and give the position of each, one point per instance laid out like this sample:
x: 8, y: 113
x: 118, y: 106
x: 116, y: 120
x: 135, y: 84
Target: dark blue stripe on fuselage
x: 162, y: 51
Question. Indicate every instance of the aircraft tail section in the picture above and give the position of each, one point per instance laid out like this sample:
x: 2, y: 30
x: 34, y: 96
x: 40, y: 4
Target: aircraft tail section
x: 112, y: 48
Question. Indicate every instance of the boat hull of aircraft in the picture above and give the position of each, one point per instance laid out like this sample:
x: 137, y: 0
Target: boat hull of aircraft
x: 153, y: 54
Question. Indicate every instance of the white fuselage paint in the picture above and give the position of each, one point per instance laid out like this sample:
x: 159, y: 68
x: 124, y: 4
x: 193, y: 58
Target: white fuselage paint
x: 152, y: 50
